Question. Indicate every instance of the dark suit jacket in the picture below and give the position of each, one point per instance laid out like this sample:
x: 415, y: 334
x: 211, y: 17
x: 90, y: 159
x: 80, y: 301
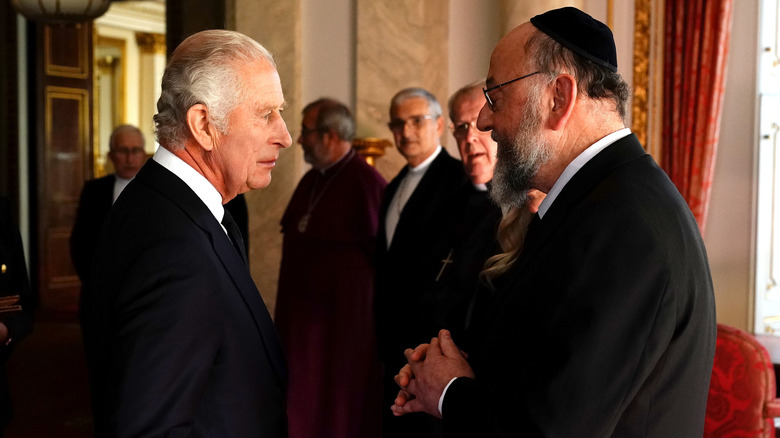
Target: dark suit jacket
x: 178, y: 339
x: 406, y: 315
x: 94, y: 204
x: 408, y: 269
x: 605, y: 326
x: 474, y: 240
x: 13, y: 281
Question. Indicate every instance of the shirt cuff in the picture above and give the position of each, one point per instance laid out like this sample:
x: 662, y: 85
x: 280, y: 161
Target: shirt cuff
x: 441, y: 399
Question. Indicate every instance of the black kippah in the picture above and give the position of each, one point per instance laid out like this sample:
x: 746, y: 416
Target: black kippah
x: 580, y: 33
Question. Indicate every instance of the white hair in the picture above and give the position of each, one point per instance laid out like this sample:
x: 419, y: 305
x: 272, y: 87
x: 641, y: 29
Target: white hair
x: 203, y: 69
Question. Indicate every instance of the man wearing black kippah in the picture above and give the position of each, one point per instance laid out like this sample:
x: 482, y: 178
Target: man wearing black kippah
x: 604, y: 326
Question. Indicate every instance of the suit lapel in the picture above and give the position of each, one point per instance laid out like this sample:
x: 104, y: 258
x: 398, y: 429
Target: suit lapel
x: 580, y: 185
x: 418, y: 207
x: 107, y: 193
x: 387, y: 197
x: 181, y: 195
x: 420, y: 197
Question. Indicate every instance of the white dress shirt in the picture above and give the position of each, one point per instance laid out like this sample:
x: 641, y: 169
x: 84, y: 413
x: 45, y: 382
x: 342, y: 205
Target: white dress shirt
x: 194, y: 180
x: 576, y: 165
x: 405, y: 190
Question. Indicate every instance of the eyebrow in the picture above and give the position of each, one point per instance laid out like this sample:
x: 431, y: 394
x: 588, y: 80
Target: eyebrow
x: 264, y: 108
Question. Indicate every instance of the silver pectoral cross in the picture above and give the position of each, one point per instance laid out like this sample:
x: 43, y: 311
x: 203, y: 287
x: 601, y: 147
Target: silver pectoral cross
x: 304, y: 222
x: 444, y: 264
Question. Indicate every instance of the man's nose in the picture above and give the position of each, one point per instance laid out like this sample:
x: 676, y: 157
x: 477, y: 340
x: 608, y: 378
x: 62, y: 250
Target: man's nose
x: 485, y: 119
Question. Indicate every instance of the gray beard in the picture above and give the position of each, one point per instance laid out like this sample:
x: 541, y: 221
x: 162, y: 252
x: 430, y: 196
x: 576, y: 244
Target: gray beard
x: 519, y: 159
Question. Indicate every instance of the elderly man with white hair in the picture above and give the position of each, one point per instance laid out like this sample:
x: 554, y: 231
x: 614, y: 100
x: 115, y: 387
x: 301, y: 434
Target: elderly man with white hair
x: 178, y: 339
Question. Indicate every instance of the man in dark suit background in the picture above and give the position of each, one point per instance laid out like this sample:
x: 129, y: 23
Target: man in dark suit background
x: 178, y: 339
x: 417, y: 218
x: 605, y: 324
x: 127, y: 153
x: 474, y: 238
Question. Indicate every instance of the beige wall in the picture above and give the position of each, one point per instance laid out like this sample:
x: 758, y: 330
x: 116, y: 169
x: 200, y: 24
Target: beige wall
x: 277, y: 26
x: 730, y: 226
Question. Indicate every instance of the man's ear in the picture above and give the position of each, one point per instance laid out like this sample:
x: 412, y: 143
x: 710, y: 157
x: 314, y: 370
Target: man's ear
x: 564, y: 91
x: 200, y: 128
x: 439, y: 126
x: 329, y: 136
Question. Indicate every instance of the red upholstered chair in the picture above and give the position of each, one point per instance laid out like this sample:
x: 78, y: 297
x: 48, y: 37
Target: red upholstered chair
x: 742, y: 394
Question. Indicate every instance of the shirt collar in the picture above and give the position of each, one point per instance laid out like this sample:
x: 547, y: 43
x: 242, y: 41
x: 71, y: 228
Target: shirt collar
x: 576, y: 165
x: 194, y: 180
x: 422, y: 167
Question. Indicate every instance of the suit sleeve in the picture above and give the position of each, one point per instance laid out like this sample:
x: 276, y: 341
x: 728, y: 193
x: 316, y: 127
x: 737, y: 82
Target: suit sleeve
x: 168, y: 334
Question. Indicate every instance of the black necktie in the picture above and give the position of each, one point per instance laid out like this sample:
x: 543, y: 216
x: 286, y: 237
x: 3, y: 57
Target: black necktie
x: 234, y: 234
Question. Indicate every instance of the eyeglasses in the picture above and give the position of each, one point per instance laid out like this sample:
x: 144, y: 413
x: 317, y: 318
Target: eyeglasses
x: 490, y: 102
x: 398, y: 125
x: 461, y: 130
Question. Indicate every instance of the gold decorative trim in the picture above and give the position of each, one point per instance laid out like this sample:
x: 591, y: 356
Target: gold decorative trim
x: 81, y: 96
x: 118, y: 91
x: 121, y: 45
x: 647, y: 103
x: 610, y: 14
x: 769, y: 324
x: 639, y: 104
x: 656, y: 81
x: 371, y: 148
x: 151, y: 43
x: 80, y: 71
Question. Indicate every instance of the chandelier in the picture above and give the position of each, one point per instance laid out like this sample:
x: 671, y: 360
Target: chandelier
x: 61, y: 11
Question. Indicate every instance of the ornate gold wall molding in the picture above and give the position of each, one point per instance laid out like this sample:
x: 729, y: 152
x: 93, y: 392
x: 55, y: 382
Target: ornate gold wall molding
x: 648, y: 74
x: 151, y: 43
x: 641, y: 68
x: 65, y: 50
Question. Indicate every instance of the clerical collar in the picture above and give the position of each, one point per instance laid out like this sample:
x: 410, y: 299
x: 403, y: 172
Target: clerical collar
x: 194, y: 180
x: 422, y: 167
x: 342, y: 158
x: 576, y: 165
x: 480, y: 187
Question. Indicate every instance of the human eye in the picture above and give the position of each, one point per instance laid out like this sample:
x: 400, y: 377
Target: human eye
x: 461, y: 128
x: 396, y: 125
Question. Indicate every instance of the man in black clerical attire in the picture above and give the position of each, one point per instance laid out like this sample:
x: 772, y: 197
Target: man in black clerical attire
x: 418, y: 213
x: 605, y: 324
x: 473, y: 239
x: 324, y: 307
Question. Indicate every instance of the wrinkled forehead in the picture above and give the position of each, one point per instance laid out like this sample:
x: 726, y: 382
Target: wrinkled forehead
x: 468, y: 105
x: 412, y: 105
